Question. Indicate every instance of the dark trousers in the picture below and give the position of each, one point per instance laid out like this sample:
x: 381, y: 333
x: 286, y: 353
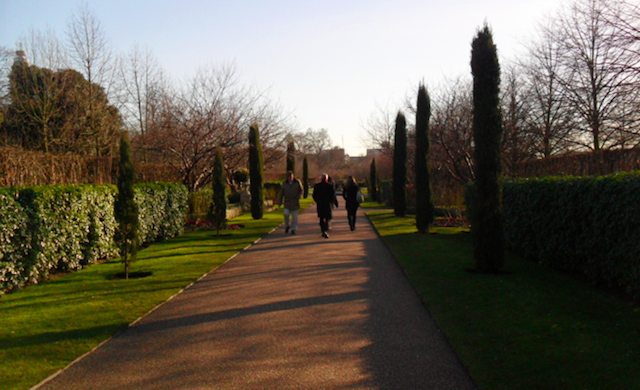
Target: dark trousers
x: 324, y: 224
x: 351, y: 214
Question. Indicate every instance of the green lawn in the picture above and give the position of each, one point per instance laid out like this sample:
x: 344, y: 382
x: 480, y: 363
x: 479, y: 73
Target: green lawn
x: 45, y: 327
x: 531, y: 328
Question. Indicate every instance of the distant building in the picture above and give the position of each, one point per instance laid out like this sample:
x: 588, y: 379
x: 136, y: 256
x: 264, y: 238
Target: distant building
x: 335, y: 156
x: 371, y: 153
x: 21, y: 57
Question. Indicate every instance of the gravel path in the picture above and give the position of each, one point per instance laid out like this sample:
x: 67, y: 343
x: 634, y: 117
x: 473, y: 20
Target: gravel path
x: 289, y: 312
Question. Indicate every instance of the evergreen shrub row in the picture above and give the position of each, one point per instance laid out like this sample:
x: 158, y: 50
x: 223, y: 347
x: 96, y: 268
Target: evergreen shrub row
x: 62, y: 228
x: 584, y: 225
x: 162, y: 209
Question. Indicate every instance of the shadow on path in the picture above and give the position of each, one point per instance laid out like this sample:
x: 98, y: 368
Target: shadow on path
x: 290, y: 312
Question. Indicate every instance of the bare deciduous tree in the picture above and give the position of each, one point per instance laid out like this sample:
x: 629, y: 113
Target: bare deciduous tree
x: 88, y: 47
x: 315, y: 142
x: 550, y: 118
x: 141, y: 87
x: 378, y: 130
x: 517, y: 141
x: 90, y: 51
x: 44, y: 49
x: 210, y: 110
x: 452, y: 129
x: 596, y: 75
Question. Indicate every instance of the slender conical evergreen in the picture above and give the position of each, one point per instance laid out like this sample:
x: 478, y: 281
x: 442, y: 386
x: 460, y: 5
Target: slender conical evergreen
x: 486, y: 216
x: 305, y: 177
x: 218, y: 214
x: 424, y: 197
x: 291, y: 157
x: 256, y: 173
x: 400, y: 167
x: 373, y: 180
x: 125, y: 207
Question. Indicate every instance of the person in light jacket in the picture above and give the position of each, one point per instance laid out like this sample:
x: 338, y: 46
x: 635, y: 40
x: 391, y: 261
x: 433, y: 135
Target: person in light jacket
x: 290, y: 194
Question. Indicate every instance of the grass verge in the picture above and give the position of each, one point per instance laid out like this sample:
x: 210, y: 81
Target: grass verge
x: 45, y: 327
x: 530, y: 328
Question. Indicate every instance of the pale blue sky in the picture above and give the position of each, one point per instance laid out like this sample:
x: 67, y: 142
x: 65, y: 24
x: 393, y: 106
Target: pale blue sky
x: 328, y: 61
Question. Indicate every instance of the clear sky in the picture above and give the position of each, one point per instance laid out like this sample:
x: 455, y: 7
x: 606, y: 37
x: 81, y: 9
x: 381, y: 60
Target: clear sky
x: 328, y: 61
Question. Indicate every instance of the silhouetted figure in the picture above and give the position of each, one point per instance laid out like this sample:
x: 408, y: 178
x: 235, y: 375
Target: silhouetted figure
x: 325, y: 196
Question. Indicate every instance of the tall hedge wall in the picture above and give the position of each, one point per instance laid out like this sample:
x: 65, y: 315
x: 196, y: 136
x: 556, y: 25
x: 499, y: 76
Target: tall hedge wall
x: 62, y: 228
x: 585, y: 225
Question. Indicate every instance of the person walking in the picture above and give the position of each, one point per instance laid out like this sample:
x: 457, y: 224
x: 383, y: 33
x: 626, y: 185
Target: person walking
x: 324, y: 195
x: 350, y: 195
x: 334, y: 204
x: 290, y: 194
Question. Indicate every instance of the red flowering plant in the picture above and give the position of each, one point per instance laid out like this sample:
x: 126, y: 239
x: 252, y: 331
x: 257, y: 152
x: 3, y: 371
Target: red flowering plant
x: 452, y: 222
x: 204, y: 225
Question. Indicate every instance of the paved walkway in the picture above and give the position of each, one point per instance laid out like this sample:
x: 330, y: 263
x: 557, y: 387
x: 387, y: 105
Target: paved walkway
x: 290, y: 312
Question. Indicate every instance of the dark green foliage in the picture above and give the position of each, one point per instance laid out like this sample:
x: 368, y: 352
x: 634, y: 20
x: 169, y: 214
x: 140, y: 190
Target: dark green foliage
x: 218, y: 214
x: 241, y: 176
x: 424, y: 197
x: 373, y: 180
x: 161, y: 210
x: 291, y: 157
x: 585, y: 225
x: 487, y: 133
x: 125, y: 207
x: 80, y: 226
x: 400, y: 167
x: 233, y: 197
x: 58, y: 112
x: 256, y: 173
x: 305, y: 177
x: 271, y: 189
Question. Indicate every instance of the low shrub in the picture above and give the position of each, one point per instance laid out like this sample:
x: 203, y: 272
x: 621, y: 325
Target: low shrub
x: 271, y: 190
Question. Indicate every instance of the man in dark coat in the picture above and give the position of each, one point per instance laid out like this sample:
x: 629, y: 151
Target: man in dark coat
x: 324, y: 195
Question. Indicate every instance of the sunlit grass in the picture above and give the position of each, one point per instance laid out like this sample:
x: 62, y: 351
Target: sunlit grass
x: 530, y: 328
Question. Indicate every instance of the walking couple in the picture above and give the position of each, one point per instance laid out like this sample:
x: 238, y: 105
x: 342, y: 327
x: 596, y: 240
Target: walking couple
x: 324, y: 194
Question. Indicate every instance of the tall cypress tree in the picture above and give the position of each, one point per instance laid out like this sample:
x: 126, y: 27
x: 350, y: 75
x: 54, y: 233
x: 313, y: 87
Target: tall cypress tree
x: 305, y: 177
x: 256, y: 173
x: 291, y: 157
x: 486, y: 215
x: 218, y: 214
x: 424, y: 197
x: 400, y: 167
x: 373, y: 180
x: 125, y: 207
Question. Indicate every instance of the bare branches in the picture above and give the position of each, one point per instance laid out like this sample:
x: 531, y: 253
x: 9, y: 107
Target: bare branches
x: 214, y: 109
x: 596, y: 75
x: 379, y: 128
x: 452, y: 129
x: 88, y: 48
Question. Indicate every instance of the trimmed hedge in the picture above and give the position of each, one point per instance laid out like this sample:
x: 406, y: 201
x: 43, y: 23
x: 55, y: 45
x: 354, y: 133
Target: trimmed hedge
x: 584, y: 225
x: 161, y: 208
x: 63, y: 228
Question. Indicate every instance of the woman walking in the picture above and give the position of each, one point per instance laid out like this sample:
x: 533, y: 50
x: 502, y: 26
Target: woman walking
x: 350, y: 195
